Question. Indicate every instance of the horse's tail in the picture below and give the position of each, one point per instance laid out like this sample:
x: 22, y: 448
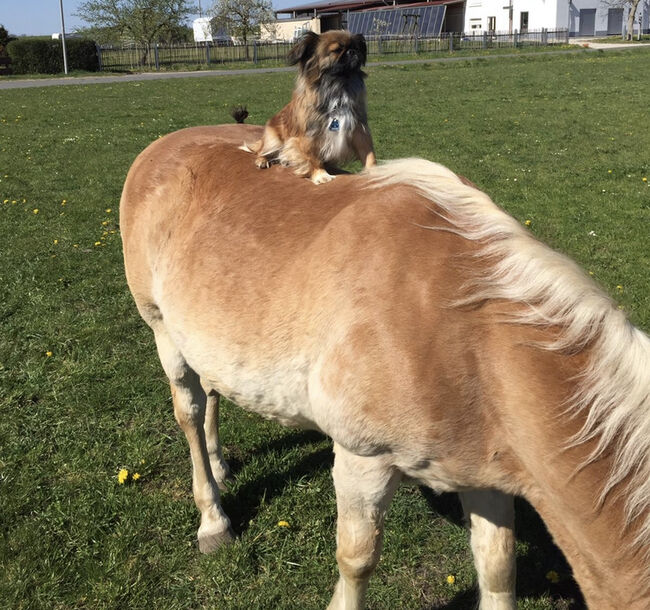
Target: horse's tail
x: 239, y: 113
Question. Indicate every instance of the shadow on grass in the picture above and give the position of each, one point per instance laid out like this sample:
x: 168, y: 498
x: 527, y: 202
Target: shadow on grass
x: 244, y: 504
x: 541, y: 556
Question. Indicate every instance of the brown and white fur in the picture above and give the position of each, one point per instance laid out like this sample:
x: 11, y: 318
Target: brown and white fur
x: 326, y: 122
x: 402, y: 313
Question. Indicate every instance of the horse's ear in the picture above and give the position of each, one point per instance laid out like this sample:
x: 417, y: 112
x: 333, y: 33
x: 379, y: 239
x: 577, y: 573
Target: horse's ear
x: 304, y: 49
x: 359, y: 43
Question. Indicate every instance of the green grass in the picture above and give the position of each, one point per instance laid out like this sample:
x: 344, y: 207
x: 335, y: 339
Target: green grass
x: 562, y: 141
x: 645, y: 38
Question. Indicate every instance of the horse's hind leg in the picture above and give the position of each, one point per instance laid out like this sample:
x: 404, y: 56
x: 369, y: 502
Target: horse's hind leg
x: 364, y: 488
x: 491, y: 518
x: 218, y: 465
x: 189, y: 409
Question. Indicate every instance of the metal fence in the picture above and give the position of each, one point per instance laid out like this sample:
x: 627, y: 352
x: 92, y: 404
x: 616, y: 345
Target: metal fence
x: 197, y: 56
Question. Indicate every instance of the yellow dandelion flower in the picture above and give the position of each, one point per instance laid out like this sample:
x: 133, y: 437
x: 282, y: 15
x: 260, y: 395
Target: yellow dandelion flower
x: 644, y: 179
x: 98, y: 243
x: 609, y: 171
x: 48, y: 354
x: 75, y: 245
x: 528, y: 222
x: 35, y: 211
x: 451, y: 579
x: 283, y: 524
x: 619, y: 288
x: 122, y: 476
x: 136, y: 476
x: 56, y: 241
x: 552, y: 576
x: 6, y: 201
x: 108, y: 210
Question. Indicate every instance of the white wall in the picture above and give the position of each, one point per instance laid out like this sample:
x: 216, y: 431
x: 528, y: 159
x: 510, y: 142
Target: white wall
x: 285, y: 29
x: 541, y: 14
x: 549, y: 14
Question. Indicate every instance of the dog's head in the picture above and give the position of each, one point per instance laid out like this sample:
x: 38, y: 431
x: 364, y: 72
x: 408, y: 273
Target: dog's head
x: 336, y: 52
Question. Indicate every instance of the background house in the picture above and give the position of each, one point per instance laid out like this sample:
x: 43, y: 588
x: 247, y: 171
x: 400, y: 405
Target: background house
x: 430, y: 19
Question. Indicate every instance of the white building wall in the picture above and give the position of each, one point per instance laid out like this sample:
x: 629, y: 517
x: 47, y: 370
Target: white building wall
x: 549, y: 14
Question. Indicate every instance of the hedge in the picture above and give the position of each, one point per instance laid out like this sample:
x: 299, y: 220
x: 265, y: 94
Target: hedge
x: 45, y: 56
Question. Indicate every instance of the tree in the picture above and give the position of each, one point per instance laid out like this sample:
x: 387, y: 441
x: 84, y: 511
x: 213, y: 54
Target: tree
x: 242, y: 18
x: 144, y: 21
x: 629, y: 29
x: 5, y: 38
x: 631, y: 6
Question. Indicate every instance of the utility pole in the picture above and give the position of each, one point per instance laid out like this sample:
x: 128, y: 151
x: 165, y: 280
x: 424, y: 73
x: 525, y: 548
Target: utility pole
x: 510, y: 11
x: 65, y: 55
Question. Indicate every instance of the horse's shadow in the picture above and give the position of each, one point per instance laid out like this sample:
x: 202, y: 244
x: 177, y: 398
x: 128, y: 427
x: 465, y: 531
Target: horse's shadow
x: 539, y: 557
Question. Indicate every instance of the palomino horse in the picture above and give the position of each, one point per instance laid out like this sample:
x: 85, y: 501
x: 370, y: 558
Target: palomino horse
x: 403, y: 314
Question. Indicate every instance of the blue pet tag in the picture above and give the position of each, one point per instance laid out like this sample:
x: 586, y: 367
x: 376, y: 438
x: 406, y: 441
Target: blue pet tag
x: 334, y: 125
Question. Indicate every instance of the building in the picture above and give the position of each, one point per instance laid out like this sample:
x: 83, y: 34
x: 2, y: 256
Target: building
x: 422, y: 18
x: 580, y: 17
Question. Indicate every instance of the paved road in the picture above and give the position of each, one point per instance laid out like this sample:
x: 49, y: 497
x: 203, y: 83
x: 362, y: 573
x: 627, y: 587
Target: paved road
x: 93, y: 80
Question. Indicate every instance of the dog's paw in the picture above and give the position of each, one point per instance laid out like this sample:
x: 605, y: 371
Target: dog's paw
x: 320, y: 176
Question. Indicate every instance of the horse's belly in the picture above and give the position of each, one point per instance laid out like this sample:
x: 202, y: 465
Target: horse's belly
x: 277, y: 392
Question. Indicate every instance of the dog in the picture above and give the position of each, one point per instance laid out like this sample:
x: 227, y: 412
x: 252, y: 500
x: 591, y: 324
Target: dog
x: 326, y: 122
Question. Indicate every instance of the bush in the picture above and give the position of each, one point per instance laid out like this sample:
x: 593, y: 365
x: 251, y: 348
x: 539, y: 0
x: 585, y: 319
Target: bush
x: 45, y: 56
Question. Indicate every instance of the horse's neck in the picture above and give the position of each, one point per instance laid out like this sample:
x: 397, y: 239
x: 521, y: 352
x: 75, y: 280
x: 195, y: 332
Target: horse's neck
x: 533, y: 404
x: 610, y: 568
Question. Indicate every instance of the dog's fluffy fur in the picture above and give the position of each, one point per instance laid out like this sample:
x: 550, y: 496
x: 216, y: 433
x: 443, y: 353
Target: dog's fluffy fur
x: 325, y: 123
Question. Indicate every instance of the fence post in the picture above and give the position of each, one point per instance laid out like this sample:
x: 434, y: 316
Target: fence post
x: 516, y: 39
x: 155, y: 55
x: 451, y: 42
x: 485, y: 40
x: 416, y: 45
x: 255, y: 56
x: 207, y: 53
x: 99, y: 57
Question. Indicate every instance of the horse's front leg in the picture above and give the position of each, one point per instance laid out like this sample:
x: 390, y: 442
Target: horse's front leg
x: 189, y: 409
x: 364, y: 489
x: 490, y: 514
x: 219, y: 466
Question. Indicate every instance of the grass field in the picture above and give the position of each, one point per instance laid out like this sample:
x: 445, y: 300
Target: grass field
x: 562, y: 141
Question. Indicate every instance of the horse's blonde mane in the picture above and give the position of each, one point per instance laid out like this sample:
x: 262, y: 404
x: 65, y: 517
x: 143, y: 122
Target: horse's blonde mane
x: 614, y: 391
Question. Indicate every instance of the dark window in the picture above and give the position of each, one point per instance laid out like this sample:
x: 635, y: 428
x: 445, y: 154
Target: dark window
x: 492, y: 24
x: 523, y: 23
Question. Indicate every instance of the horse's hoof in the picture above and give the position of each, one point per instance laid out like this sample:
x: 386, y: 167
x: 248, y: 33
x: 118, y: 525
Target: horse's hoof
x: 210, y: 541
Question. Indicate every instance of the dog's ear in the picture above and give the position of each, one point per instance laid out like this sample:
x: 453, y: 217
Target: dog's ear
x: 304, y: 49
x: 359, y: 43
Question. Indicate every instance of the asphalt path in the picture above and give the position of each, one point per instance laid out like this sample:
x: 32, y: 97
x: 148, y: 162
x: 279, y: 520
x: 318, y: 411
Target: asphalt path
x: 144, y: 76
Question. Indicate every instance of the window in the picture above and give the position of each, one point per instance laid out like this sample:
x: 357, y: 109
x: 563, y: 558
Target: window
x: 492, y: 24
x: 523, y: 23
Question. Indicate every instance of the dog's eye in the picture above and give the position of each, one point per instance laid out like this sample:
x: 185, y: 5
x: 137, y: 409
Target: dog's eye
x: 337, y: 49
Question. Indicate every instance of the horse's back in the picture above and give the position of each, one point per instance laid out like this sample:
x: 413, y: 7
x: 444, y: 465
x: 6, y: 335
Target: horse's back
x: 323, y: 306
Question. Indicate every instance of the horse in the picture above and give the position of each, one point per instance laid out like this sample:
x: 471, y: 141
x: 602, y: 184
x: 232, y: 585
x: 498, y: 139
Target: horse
x: 402, y: 313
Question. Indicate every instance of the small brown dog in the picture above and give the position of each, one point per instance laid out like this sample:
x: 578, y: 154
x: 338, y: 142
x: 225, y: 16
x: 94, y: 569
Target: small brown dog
x: 326, y: 120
